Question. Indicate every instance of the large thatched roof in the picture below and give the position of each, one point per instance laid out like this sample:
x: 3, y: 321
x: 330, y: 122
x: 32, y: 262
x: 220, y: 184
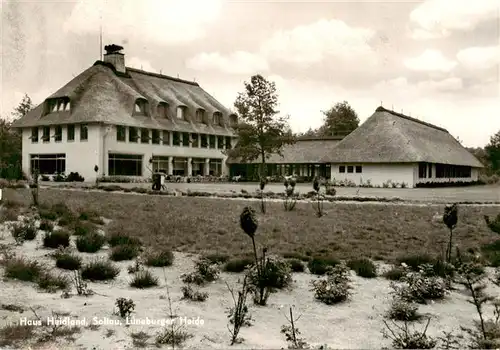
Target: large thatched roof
x: 100, y: 94
x: 307, y: 150
x: 390, y: 137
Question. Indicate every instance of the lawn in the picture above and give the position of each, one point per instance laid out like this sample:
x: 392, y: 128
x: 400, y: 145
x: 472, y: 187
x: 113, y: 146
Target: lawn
x: 190, y: 224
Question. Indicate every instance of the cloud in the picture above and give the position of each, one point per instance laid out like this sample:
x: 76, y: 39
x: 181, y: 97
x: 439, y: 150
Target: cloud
x: 430, y: 61
x: 479, y: 57
x: 238, y: 62
x: 445, y: 85
x: 302, y: 45
x: 161, y: 21
x: 138, y: 63
x: 438, y: 18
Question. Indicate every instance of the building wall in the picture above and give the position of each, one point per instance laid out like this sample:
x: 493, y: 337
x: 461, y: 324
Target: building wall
x: 474, y: 176
x: 81, y: 156
x: 377, y: 174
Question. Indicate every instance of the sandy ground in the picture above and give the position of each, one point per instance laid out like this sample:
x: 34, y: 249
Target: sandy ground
x: 487, y: 193
x: 352, y: 325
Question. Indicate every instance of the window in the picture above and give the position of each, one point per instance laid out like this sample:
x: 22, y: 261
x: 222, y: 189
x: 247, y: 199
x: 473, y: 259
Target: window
x: 342, y: 169
x: 144, y: 135
x: 140, y: 107
x: 185, y: 139
x: 359, y: 169
x: 199, y: 115
x: 350, y: 169
x: 124, y: 164
x: 422, y: 170
x: 58, y: 133
x: 160, y: 164
x: 453, y: 171
x: 430, y: 171
x: 204, y: 142
x: 176, y: 138
x: 46, y: 134
x: 212, y: 141
x: 53, y: 108
x: 181, y: 112
x: 34, y: 135
x: 48, y: 163
x: 180, y: 166
x: 215, y: 167
x: 217, y: 119
x: 194, y: 140
x: 228, y: 142
x: 58, y: 105
x: 67, y: 106
x: 163, y: 110
x: 198, y: 165
x: 121, y: 133
x: 71, y: 132
x: 233, y: 120
x: 84, y: 132
x: 220, y: 142
x: 155, y: 138
x: 133, y: 134
x: 166, y: 137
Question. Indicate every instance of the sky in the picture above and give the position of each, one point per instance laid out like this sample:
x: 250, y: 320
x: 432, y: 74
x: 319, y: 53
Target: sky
x: 435, y: 60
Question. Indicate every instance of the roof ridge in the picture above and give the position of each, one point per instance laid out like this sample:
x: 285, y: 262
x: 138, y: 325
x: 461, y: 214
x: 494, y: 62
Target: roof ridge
x: 162, y: 76
x: 382, y: 109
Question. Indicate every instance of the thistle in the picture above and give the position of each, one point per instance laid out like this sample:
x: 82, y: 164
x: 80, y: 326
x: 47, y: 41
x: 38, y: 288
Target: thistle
x: 450, y: 219
x: 316, y: 184
x: 248, y: 221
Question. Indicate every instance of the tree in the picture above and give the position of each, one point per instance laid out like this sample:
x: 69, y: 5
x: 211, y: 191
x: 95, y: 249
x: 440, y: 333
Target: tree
x: 341, y: 120
x: 262, y: 130
x: 493, y: 152
x: 11, y: 143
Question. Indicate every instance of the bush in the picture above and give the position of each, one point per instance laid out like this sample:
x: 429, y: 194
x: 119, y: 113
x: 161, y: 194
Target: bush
x: 144, y: 279
x: 295, y: 255
x: 417, y: 287
x: 296, y: 265
x: 99, y: 271
x: 66, y: 220
x: 363, y: 267
x: 125, y: 306
x: 61, y: 209
x: 52, y: 283
x: 190, y: 294
x: 395, y: 274
x: 276, y: 274
x: 24, y: 231
x: 238, y: 264
x: 67, y: 261
x: 121, y: 238
x: 90, y: 243
x: 320, y: 265
x: 46, y: 225
x: 124, y: 252
x: 159, y: 258
x: 83, y: 228
x: 22, y: 269
x: 205, y: 271
x: 402, y: 310
x: 335, y: 288
x: 216, y: 258
x: 415, y: 261
x: 74, y: 177
x: 56, y: 239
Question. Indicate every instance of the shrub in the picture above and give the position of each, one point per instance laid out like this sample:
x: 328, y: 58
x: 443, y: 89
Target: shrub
x: 363, y: 267
x: 335, y: 288
x: 238, y: 264
x: 320, y: 265
x: 190, y: 294
x: 90, y: 243
x: 276, y: 274
x: 99, y: 271
x: 74, y: 177
x: 66, y: 220
x: 46, y: 225
x: 216, y: 258
x: 67, y: 261
x: 125, y: 306
x: 52, y: 283
x: 295, y: 265
x: 417, y: 287
x: 56, y: 239
x: 22, y: 269
x: 124, y: 252
x: 159, y: 258
x: 144, y: 279
x: 24, y: 231
x: 47, y: 213
x: 295, y: 255
x: 61, y: 209
x: 83, y: 228
x: 406, y: 339
x: 402, y: 310
x: 121, y: 238
x: 415, y: 260
x: 205, y: 271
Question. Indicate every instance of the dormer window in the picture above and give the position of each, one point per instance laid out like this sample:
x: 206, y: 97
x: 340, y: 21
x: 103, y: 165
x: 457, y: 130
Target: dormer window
x: 163, y: 110
x: 233, y: 120
x: 140, y: 107
x: 181, y: 112
x: 217, y: 118
x: 200, y: 113
x: 58, y: 105
x: 67, y: 106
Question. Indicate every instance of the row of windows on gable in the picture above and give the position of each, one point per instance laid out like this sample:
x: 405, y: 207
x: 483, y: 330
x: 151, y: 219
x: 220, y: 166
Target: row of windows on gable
x: 141, y: 108
x: 58, y: 133
x: 57, y: 105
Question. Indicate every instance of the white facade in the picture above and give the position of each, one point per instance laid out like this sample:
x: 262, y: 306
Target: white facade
x: 379, y: 174
x: 83, y: 155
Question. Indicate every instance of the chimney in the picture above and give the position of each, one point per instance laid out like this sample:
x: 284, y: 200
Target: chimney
x: 115, y: 57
